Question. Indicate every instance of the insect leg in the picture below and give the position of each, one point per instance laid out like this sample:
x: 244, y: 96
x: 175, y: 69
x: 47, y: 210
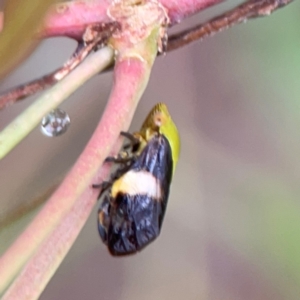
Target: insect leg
x: 130, y: 137
x: 124, y: 159
x: 104, y: 186
x: 134, y: 141
x: 118, y: 160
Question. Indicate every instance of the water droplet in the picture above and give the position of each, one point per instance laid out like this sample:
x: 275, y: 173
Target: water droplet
x: 55, y: 123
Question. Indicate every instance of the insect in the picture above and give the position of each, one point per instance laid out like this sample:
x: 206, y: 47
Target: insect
x: 131, y: 214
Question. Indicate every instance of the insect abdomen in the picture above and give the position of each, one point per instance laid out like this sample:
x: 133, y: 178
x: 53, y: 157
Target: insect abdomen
x: 133, y: 223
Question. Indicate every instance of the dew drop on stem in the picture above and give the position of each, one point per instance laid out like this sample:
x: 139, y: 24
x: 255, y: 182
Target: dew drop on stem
x: 55, y: 123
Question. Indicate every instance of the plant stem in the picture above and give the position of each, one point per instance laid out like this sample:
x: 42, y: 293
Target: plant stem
x: 31, y: 117
x: 60, y: 221
x: 100, y: 33
x: 22, y: 249
x: 240, y: 14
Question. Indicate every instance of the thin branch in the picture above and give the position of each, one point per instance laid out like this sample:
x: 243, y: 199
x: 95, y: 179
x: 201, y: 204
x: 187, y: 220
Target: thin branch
x: 95, y: 34
x: 30, y: 118
x: 240, y: 14
x: 59, y: 223
x: 71, y: 18
x: 27, y: 243
x: 248, y: 10
x: 36, y: 274
x: 180, y: 9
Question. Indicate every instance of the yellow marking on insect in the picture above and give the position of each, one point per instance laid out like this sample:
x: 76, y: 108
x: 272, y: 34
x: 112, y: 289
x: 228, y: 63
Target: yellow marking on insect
x: 137, y: 183
x: 159, y: 121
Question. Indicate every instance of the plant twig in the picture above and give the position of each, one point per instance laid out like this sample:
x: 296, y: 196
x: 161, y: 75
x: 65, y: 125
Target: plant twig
x: 35, y: 275
x: 31, y: 117
x: 95, y: 34
x: 71, y: 18
x: 12, y: 261
x: 67, y: 210
x: 240, y: 14
x: 248, y: 10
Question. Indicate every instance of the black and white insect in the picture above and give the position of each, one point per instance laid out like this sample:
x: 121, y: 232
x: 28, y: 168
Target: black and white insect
x: 132, y: 212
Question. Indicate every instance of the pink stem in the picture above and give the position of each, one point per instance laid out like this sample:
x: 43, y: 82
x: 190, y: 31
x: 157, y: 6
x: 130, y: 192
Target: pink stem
x: 131, y: 77
x: 180, y: 9
x: 43, y: 264
x: 71, y: 18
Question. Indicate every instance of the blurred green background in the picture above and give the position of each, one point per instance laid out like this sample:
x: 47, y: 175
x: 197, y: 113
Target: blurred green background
x: 232, y: 228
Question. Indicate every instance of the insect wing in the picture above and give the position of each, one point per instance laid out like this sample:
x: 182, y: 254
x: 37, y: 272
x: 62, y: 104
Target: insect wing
x: 157, y: 160
x: 132, y: 218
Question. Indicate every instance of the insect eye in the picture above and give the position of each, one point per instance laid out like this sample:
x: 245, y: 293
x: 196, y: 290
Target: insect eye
x: 158, y: 121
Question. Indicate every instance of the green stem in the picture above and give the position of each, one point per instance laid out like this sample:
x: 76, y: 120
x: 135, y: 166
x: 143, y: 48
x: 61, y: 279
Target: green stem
x: 56, y: 227
x: 18, y: 129
x: 26, y: 244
